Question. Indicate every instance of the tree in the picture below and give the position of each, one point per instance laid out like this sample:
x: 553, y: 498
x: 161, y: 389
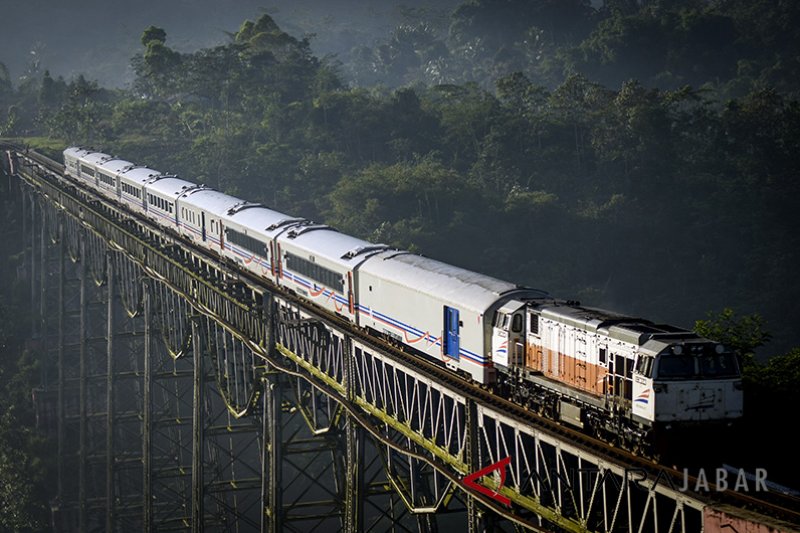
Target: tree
x: 158, y: 68
x: 5, y: 82
x: 52, y: 92
x: 743, y: 334
x: 152, y: 34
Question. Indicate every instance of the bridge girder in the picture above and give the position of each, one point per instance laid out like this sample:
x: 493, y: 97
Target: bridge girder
x: 252, y: 411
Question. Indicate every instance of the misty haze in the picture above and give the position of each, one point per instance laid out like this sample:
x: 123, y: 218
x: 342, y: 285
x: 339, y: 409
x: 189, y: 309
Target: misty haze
x: 638, y: 157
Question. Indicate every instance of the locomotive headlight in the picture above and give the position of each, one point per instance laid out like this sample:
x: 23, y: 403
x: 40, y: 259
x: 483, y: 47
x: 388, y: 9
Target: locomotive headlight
x: 677, y: 350
x: 719, y: 348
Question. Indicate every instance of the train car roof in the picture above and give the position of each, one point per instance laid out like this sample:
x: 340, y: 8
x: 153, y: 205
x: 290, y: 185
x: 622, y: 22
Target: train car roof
x: 323, y: 241
x: 442, y: 281
x: 170, y: 187
x: 261, y: 220
x: 115, y: 166
x: 138, y: 175
x: 95, y: 158
x: 77, y: 152
x: 614, y: 325
x: 211, y: 200
x: 578, y: 316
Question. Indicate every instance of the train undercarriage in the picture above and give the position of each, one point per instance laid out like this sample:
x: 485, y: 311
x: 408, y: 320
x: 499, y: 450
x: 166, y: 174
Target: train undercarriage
x: 608, y: 419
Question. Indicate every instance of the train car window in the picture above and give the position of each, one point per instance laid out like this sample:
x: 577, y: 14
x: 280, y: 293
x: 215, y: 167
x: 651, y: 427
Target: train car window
x: 644, y: 365
x: 534, y: 325
x: 246, y: 242
x: 516, y: 325
x: 105, y: 178
x: 314, y: 271
x: 622, y: 376
x: 506, y: 320
x: 603, y: 356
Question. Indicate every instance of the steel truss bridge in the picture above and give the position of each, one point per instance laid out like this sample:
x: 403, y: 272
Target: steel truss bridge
x: 183, y: 394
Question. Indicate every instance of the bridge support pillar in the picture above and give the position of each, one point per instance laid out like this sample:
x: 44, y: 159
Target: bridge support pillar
x: 147, y: 416
x: 271, y: 500
x: 198, y: 411
x: 60, y: 410
x: 473, y: 461
x: 110, y: 380
x: 83, y: 393
x: 354, y: 476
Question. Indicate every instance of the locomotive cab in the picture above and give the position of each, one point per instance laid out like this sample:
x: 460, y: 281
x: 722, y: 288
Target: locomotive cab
x: 685, y: 382
x: 508, y: 335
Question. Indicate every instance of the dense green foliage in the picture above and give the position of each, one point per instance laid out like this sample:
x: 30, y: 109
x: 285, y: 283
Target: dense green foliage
x: 23, y: 450
x: 731, y: 45
x: 641, y: 156
x: 659, y: 202
x: 769, y: 388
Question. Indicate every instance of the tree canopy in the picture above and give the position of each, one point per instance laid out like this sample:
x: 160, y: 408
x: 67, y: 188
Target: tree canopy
x: 638, y: 156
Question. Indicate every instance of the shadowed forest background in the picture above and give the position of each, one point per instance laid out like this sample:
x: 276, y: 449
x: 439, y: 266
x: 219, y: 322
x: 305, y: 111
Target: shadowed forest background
x: 640, y: 156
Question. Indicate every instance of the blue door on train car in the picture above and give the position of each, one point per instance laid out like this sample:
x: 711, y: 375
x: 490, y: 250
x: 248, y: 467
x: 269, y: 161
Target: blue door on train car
x: 451, y: 343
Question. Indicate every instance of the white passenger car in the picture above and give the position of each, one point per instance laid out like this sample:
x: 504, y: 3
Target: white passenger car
x: 249, y: 232
x: 320, y: 263
x: 438, y: 309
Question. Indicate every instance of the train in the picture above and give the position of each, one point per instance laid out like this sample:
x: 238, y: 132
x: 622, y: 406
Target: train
x: 623, y: 379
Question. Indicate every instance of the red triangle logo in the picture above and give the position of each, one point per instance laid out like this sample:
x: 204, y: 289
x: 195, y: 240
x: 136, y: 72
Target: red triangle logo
x: 471, y: 481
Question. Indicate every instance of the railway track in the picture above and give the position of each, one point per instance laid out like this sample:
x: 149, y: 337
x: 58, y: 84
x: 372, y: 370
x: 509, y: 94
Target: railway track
x: 774, y: 504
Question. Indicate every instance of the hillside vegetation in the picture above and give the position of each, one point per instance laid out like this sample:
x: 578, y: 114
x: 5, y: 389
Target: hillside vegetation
x: 638, y: 156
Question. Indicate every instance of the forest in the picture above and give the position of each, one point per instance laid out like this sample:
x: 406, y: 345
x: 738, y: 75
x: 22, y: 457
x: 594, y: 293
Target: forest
x: 639, y: 156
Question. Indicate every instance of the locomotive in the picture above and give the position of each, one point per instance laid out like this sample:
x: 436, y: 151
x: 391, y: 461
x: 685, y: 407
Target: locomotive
x: 620, y: 378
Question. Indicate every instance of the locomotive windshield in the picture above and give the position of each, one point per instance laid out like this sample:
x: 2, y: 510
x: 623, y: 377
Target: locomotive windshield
x: 697, y: 366
x: 719, y: 365
x: 672, y: 366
